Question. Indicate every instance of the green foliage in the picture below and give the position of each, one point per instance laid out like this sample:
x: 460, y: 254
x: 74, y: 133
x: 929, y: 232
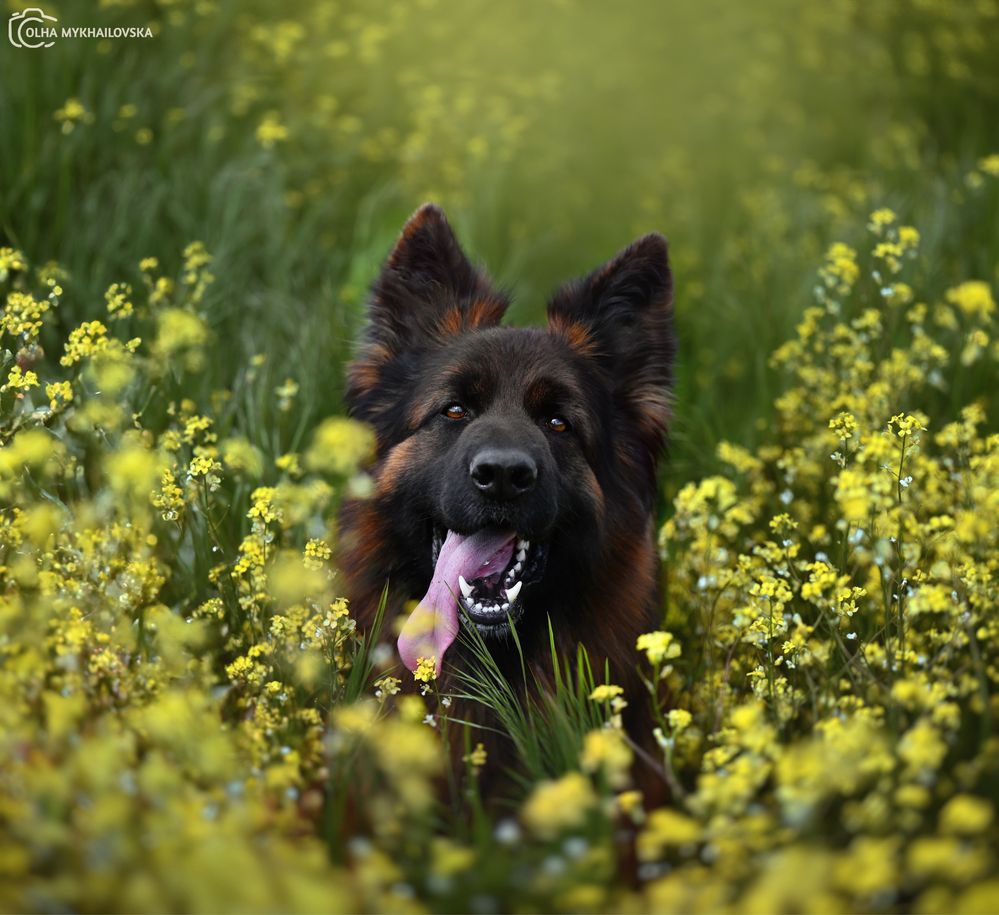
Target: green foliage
x: 189, y: 719
x: 548, y: 730
x: 294, y: 143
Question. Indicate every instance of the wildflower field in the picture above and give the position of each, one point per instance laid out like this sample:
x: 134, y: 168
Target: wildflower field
x: 190, y: 719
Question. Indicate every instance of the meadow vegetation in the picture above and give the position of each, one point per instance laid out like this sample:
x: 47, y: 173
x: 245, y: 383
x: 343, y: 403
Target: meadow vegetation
x: 189, y: 718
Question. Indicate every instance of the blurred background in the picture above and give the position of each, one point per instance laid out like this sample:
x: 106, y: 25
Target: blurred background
x: 188, y: 720
x: 293, y: 140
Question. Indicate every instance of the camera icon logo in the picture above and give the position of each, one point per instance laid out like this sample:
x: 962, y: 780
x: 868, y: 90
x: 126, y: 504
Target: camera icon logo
x: 32, y: 28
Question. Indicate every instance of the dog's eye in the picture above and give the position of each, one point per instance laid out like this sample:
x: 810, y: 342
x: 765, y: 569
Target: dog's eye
x: 455, y: 411
x: 557, y: 424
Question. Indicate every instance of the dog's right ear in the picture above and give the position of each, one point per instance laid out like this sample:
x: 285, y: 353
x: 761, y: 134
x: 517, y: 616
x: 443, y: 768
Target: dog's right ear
x: 428, y: 291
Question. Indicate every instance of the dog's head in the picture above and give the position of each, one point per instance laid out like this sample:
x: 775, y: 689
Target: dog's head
x: 504, y: 452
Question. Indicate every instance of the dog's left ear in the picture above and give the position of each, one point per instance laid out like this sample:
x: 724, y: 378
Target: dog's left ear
x: 621, y: 317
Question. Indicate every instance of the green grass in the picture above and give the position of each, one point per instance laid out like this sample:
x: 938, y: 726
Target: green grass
x: 753, y: 136
x: 663, y: 138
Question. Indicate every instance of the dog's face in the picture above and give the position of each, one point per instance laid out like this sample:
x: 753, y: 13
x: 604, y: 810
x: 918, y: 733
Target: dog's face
x: 506, y: 439
x: 512, y: 454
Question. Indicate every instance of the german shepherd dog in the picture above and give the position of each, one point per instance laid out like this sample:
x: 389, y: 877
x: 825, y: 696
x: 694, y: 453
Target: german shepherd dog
x: 516, y: 468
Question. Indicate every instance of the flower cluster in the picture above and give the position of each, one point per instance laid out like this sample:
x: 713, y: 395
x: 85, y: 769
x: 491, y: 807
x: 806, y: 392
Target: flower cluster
x: 190, y: 718
x: 165, y: 668
x: 836, y: 592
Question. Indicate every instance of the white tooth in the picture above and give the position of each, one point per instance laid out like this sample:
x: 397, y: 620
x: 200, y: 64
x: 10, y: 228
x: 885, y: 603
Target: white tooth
x: 505, y: 608
x: 521, y: 556
x: 511, y: 594
x: 516, y: 568
x: 477, y: 608
x: 523, y: 544
x: 466, y: 588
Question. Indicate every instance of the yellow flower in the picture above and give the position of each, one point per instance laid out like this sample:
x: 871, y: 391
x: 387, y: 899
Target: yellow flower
x: 965, y: 814
x: 73, y: 112
x: 118, y: 298
x: 843, y: 425
x: 59, y: 394
x: 605, y: 692
x: 906, y: 426
x: 990, y: 165
x: 869, y: 865
x: 840, y: 270
x: 630, y: 802
x: 206, y: 468
x: 973, y: 298
x: 555, y: 807
x: 263, y: 510
x: 86, y: 340
x: 890, y: 253
x: 238, y: 454
x: 180, y: 333
x: 908, y: 237
x: 286, y: 394
x: 357, y: 719
x: 606, y: 751
x: 271, y: 131
x: 169, y: 498
x: 783, y: 524
x: 387, y: 686
x: 449, y: 858
x: 477, y: 758
x: 881, y: 219
x: 290, y: 463
x: 11, y: 259
x: 23, y: 314
x: 426, y: 670
x: 658, y: 646
x: 922, y: 749
x: 665, y: 828
x: 340, y: 446
x: 20, y: 381
x: 317, y: 553
x: 679, y: 719
x: 133, y: 470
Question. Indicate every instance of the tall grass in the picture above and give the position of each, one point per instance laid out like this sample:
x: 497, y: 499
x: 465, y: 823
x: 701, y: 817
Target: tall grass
x: 695, y: 123
x: 544, y: 720
x: 189, y: 718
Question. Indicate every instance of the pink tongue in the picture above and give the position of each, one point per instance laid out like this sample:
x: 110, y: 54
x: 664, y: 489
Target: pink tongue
x: 433, y: 625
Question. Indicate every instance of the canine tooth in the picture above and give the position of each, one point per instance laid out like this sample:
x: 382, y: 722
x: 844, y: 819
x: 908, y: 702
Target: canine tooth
x: 511, y: 594
x: 466, y: 588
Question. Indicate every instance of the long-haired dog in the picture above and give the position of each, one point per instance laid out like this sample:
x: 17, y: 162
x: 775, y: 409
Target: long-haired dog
x: 516, y: 468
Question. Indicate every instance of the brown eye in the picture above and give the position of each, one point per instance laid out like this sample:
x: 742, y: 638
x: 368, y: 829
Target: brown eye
x: 456, y: 411
x: 557, y: 424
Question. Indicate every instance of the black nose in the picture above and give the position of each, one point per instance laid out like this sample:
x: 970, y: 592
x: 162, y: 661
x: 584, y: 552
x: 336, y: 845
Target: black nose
x: 503, y: 473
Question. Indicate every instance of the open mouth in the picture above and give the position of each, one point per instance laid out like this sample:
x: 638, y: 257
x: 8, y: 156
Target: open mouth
x: 483, y: 574
x: 492, y: 597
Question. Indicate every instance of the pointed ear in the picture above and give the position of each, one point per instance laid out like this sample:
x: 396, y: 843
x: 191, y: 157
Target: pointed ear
x: 621, y: 318
x: 427, y: 291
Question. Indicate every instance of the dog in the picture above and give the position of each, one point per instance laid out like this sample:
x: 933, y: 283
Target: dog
x: 516, y: 469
